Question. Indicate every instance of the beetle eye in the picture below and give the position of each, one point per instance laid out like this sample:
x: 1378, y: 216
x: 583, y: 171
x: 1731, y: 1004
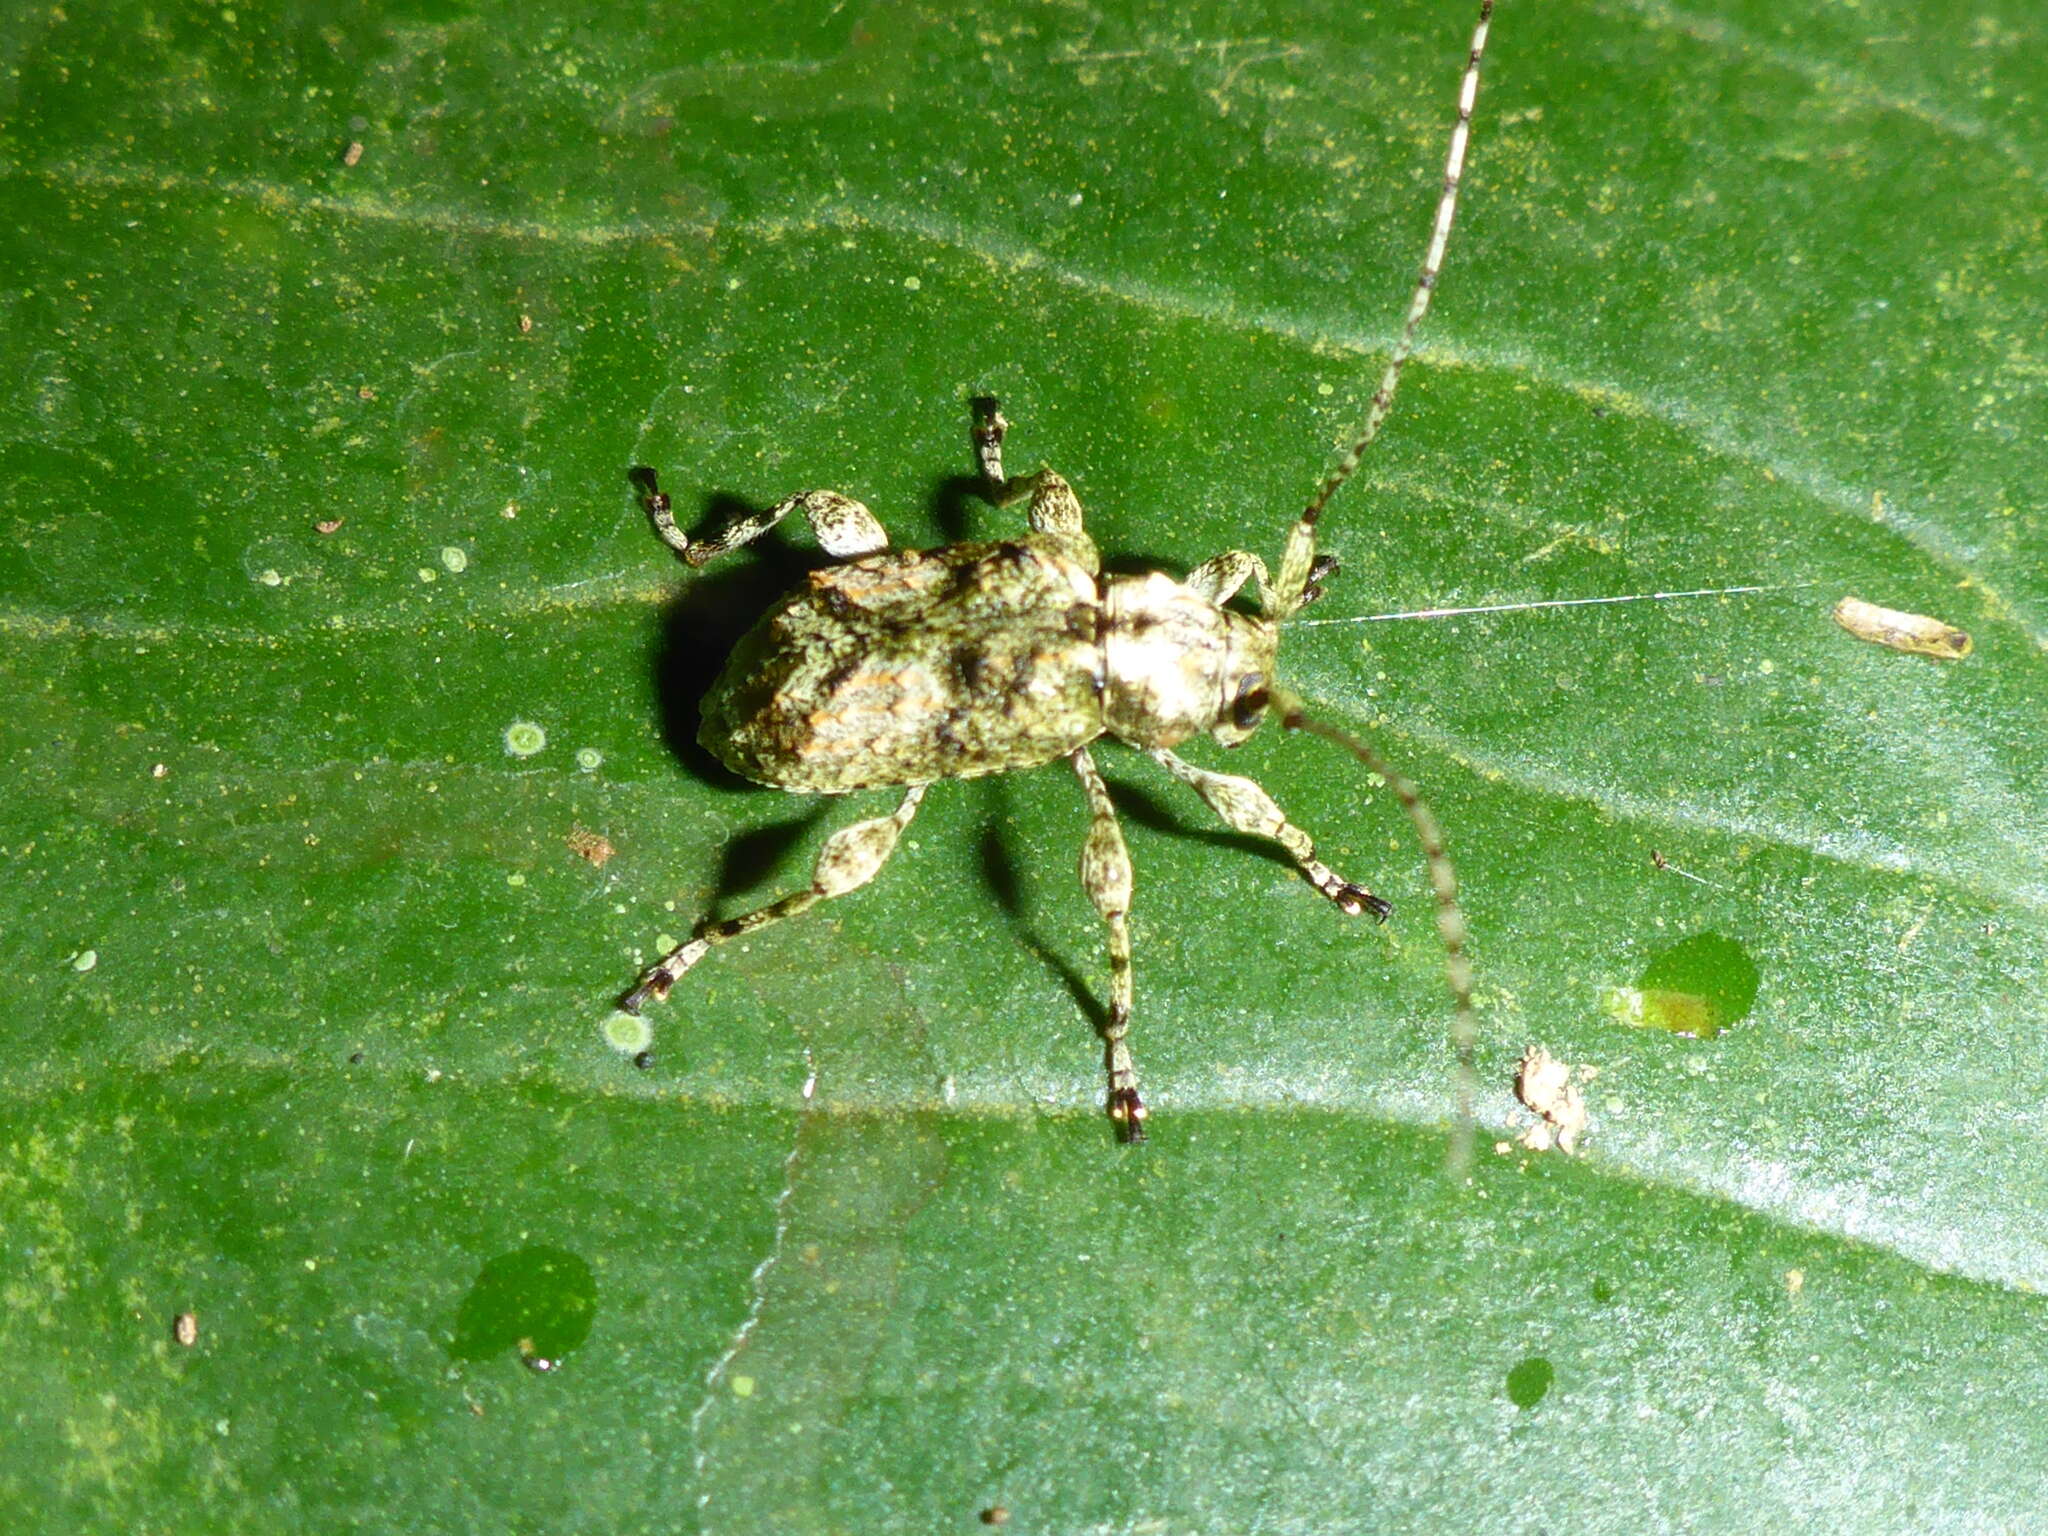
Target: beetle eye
x: 1249, y: 707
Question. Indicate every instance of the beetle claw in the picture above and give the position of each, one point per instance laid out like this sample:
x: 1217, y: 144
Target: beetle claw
x: 1128, y: 1111
x: 653, y: 988
x: 1355, y: 901
x: 1322, y: 570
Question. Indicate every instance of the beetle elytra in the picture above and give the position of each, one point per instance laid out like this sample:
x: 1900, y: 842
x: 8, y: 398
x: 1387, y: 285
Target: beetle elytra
x: 904, y: 668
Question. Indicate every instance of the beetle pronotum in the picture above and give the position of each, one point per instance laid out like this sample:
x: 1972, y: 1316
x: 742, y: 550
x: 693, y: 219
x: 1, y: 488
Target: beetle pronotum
x: 902, y: 668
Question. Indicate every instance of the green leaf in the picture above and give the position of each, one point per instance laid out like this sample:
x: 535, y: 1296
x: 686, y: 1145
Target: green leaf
x: 351, y: 707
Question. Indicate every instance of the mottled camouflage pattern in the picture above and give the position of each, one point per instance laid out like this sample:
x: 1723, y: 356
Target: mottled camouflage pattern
x: 912, y: 666
x: 904, y: 668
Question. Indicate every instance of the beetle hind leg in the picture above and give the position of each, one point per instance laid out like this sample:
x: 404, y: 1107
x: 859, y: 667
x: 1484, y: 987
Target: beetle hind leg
x: 851, y: 857
x: 1054, y: 506
x: 1106, y: 876
x: 845, y: 529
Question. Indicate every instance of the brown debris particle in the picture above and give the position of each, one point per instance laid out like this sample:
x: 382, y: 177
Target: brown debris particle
x: 526, y: 325
x: 1545, y: 1084
x: 594, y: 846
x: 353, y: 153
x: 185, y: 1328
x: 329, y: 526
x: 1912, y: 632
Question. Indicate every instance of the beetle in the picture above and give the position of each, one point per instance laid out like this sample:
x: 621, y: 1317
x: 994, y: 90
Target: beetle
x: 897, y: 669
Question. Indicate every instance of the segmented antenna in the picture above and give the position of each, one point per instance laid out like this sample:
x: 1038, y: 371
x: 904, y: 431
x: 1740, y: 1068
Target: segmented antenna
x: 1443, y: 884
x: 1432, y: 263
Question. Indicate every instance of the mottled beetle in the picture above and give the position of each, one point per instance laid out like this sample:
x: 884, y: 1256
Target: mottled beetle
x: 900, y: 668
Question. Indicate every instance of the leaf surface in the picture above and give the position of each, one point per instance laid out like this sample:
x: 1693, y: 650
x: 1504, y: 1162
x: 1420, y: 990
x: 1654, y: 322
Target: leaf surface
x: 352, y: 714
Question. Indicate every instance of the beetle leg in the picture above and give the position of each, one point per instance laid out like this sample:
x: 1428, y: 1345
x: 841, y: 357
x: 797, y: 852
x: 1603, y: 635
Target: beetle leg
x: 1054, y: 506
x: 1220, y: 578
x: 843, y: 526
x: 1245, y: 807
x: 989, y: 427
x: 851, y: 857
x: 1106, y: 877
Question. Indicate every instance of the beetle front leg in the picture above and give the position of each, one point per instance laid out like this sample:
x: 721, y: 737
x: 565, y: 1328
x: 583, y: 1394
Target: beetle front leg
x: 1219, y: 579
x: 851, y: 857
x: 1245, y: 807
x: 1106, y: 877
x: 844, y: 528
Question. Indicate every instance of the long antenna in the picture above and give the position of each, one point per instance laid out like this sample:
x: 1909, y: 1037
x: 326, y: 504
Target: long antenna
x: 1432, y: 263
x: 1443, y: 884
x: 1550, y: 602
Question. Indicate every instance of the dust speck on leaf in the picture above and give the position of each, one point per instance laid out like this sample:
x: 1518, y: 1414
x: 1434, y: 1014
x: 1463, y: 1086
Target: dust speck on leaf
x: 1545, y: 1085
x: 594, y: 847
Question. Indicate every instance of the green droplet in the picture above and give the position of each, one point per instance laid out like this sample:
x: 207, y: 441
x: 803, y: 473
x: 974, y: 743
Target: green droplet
x: 536, y: 1301
x: 589, y: 759
x: 1698, y: 987
x: 456, y: 560
x: 1529, y: 1381
x: 523, y: 738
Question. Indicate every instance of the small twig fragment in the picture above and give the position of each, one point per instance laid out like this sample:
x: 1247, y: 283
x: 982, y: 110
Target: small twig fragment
x: 1663, y: 864
x: 1912, y: 632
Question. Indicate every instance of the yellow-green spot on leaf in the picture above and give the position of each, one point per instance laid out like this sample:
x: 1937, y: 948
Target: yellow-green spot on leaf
x: 456, y: 560
x: 589, y: 759
x: 743, y: 1386
x: 515, y: 879
x: 628, y: 1034
x: 523, y: 738
x: 85, y: 960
